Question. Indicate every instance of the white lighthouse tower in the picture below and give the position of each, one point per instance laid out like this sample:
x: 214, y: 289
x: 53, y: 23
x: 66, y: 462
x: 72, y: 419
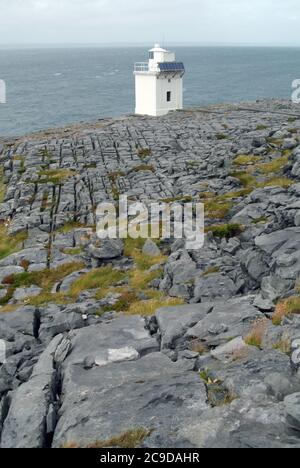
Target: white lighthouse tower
x: 158, y: 83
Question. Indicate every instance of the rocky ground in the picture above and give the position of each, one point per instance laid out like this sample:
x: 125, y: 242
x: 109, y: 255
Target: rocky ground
x: 133, y: 344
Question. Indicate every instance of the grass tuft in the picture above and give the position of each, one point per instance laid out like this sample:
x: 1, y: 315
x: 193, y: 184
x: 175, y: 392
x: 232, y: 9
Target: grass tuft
x: 103, y: 278
x: 256, y: 335
x: 10, y: 244
x: 132, y: 438
x: 286, y: 308
x: 226, y: 231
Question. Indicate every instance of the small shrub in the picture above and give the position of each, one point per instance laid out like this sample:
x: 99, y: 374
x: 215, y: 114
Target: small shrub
x: 221, y: 136
x: 226, y: 231
x: 245, y: 178
x: 144, y: 153
x: 199, y: 347
x: 217, y: 209
x: 25, y: 264
x: 114, y: 176
x: 284, y: 345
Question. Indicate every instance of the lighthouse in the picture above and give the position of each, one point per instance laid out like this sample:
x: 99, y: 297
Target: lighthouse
x: 158, y: 83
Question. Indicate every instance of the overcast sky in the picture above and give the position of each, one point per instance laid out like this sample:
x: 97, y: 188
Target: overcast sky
x: 260, y: 22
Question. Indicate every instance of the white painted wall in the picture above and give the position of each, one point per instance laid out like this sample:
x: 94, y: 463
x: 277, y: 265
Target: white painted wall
x: 176, y: 88
x: 145, y: 94
x: 151, y: 94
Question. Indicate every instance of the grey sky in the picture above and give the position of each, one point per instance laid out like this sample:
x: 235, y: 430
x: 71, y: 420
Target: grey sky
x: 269, y: 22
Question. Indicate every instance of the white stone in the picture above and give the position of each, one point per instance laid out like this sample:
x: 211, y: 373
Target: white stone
x: 123, y: 354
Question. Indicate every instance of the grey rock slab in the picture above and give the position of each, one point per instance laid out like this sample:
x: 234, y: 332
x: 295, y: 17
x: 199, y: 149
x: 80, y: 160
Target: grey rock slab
x: 271, y: 243
x: 213, y: 287
x: 243, y: 424
x: 151, y: 249
x: 235, y: 346
x: 24, y: 293
x: 227, y: 320
x: 25, y: 425
x: 117, y: 333
x: 173, y: 322
x: 108, y: 249
x: 292, y: 411
x: 151, y: 392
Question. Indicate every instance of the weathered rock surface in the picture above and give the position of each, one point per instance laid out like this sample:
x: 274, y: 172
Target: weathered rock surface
x: 212, y: 371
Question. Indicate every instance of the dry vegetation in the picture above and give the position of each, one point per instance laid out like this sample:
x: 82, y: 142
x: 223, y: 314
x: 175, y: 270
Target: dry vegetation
x: 286, y: 308
x: 256, y: 335
x: 10, y: 244
x: 127, y: 440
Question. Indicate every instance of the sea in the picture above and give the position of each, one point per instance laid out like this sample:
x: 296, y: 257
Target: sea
x: 49, y: 88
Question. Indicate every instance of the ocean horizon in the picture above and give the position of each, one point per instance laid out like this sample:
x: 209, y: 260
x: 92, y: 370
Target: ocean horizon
x: 54, y: 87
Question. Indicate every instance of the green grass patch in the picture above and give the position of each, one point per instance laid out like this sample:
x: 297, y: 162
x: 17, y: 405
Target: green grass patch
x: 45, y: 279
x: 143, y: 168
x: 70, y: 226
x: 2, y: 185
x: 261, y: 127
x: 286, y: 308
x: 222, y: 136
x: 246, y: 179
x: 72, y: 251
x: 10, y: 244
x: 55, y: 176
x: 103, y: 278
x: 261, y: 220
x: 244, y: 160
x: 283, y: 182
x: 274, y: 166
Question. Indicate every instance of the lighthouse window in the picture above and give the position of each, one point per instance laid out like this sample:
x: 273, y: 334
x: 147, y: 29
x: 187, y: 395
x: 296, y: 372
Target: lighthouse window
x: 169, y: 96
x: 151, y: 55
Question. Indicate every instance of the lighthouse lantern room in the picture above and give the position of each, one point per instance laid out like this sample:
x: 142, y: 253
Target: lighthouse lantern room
x: 158, y: 83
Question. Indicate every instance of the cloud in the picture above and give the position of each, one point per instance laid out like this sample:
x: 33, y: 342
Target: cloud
x: 103, y: 21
